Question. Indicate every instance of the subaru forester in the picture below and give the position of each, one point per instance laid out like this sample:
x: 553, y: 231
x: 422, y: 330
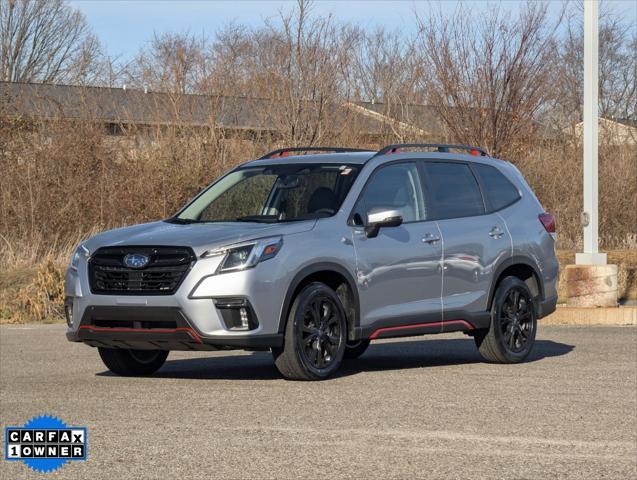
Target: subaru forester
x: 314, y: 255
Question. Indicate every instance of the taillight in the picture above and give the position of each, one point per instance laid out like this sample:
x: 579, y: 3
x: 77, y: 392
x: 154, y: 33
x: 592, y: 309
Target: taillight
x: 548, y: 221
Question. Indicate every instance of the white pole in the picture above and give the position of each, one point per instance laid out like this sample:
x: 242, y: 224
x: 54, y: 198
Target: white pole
x: 591, y: 255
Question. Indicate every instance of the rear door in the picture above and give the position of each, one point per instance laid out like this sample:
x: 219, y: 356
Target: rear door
x: 398, y: 272
x: 474, y: 241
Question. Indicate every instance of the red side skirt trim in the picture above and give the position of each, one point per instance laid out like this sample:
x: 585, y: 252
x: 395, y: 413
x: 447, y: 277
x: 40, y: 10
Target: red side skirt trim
x: 464, y: 323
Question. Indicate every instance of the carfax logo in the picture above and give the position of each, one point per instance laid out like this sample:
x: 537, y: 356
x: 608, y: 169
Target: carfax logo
x: 45, y: 443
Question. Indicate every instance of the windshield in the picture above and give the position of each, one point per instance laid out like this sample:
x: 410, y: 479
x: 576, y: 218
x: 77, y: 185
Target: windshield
x: 272, y: 194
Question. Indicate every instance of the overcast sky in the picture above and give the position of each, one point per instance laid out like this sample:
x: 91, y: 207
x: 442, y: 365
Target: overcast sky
x: 123, y: 26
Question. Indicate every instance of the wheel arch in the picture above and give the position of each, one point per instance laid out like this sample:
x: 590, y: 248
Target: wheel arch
x: 524, y: 268
x: 336, y: 277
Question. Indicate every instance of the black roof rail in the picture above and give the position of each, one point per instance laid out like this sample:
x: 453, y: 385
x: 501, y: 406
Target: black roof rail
x: 281, y: 151
x: 440, y: 147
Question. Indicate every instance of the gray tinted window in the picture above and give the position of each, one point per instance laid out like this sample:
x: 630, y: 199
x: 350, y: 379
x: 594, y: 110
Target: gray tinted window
x: 396, y: 187
x: 452, y: 191
x: 499, y: 191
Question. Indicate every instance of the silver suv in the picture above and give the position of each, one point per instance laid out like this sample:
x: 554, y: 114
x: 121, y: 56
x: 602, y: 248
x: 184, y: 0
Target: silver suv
x: 312, y: 256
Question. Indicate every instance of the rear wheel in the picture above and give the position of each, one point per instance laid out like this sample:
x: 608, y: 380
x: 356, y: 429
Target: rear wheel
x: 131, y: 363
x: 315, y: 335
x: 355, y: 349
x: 511, y: 334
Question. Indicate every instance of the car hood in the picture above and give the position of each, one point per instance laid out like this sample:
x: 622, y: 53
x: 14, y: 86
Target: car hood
x: 199, y: 236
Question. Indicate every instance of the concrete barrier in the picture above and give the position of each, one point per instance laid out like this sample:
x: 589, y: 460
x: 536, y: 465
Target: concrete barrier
x: 591, y: 285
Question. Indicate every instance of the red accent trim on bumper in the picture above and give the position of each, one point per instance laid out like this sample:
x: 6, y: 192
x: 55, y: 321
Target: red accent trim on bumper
x: 188, y: 330
x: 418, y: 325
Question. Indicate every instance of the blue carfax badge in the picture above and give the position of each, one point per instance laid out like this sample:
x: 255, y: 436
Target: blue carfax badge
x: 45, y: 443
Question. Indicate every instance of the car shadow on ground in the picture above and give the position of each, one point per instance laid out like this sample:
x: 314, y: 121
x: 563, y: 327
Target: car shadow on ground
x: 378, y: 357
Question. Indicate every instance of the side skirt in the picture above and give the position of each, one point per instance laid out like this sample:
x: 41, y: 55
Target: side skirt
x: 460, y: 321
x: 422, y: 329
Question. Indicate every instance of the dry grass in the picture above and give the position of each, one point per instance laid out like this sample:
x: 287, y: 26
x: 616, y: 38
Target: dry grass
x: 33, y: 295
x: 63, y: 180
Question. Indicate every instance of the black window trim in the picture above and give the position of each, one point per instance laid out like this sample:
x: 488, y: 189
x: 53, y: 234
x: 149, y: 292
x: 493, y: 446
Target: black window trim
x: 416, y: 162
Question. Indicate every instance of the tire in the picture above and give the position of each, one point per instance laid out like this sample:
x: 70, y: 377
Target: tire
x: 355, y: 349
x: 315, y: 335
x: 132, y: 363
x: 511, y: 335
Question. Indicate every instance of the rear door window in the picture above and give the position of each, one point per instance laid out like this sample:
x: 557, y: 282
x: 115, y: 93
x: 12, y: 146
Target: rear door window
x: 498, y: 190
x: 452, y: 191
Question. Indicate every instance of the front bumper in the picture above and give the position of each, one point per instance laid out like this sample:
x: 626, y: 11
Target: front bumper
x: 190, y: 319
x: 162, y: 328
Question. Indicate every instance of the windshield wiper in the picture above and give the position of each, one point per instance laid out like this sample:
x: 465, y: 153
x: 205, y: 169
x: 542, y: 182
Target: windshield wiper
x: 259, y: 218
x: 181, y: 221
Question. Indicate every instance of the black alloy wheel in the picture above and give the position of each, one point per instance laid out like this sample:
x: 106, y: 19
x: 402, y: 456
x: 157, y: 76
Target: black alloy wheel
x: 315, y: 335
x: 511, y: 335
x: 320, y: 331
x: 516, y: 320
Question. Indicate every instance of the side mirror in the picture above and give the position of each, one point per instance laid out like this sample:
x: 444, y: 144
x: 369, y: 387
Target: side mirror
x: 382, y: 218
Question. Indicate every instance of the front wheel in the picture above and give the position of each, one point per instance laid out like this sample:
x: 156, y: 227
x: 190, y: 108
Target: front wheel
x: 511, y: 335
x: 315, y: 335
x: 132, y: 363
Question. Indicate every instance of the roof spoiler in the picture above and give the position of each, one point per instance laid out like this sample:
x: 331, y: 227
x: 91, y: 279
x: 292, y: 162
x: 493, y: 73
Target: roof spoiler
x: 283, y: 152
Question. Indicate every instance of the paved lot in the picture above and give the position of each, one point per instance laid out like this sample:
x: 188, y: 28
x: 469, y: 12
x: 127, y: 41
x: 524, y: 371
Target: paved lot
x: 409, y: 408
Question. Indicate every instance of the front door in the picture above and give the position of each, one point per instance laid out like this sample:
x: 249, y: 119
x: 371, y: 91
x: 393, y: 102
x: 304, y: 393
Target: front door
x: 399, y: 271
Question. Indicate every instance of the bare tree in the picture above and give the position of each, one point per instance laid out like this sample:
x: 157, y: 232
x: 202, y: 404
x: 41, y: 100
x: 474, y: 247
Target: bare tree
x: 387, y: 72
x: 294, y: 68
x: 489, y: 79
x: 232, y: 56
x: 174, y: 62
x: 302, y: 59
x: 385, y: 67
x: 45, y: 41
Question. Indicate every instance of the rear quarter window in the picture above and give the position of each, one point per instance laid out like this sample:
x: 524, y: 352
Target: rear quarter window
x: 498, y: 190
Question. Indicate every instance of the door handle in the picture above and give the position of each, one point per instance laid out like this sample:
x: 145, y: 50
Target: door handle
x: 496, y: 233
x: 430, y: 238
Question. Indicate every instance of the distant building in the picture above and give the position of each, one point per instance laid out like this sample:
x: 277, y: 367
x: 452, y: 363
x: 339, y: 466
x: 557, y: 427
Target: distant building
x: 120, y: 110
x: 613, y: 131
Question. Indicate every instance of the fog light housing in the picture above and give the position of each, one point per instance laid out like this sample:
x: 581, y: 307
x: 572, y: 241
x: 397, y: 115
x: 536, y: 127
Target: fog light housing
x: 237, y: 314
x: 68, y: 311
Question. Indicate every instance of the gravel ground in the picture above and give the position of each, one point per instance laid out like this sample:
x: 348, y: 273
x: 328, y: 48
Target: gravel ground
x: 408, y: 408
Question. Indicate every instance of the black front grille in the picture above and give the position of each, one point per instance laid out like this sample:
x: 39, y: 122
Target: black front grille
x: 166, y: 269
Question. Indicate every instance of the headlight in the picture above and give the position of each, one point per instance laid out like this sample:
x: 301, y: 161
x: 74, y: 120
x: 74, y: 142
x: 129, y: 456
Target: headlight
x: 246, y: 255
x: 80, y: 252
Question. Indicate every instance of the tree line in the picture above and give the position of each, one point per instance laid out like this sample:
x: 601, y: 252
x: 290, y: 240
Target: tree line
x: 497, y: 82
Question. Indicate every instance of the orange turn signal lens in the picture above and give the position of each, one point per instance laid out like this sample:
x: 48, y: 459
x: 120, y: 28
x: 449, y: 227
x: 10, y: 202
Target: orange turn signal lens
x: 270, y: 249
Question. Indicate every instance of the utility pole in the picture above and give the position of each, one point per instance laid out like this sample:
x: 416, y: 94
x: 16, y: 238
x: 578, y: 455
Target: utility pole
x: 591, y: 282
x: 591, y: 255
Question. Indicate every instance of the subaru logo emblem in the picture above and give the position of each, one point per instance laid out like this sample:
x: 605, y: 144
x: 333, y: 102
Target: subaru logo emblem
x: 136, y: 260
